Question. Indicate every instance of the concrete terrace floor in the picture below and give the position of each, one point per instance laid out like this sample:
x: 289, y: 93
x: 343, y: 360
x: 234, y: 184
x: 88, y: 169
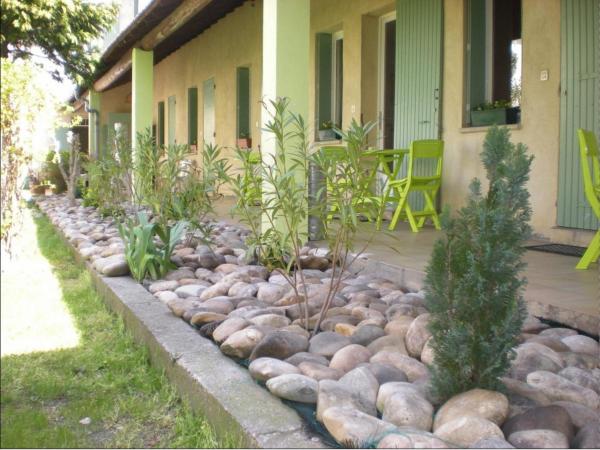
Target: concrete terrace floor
x: 553, y: 282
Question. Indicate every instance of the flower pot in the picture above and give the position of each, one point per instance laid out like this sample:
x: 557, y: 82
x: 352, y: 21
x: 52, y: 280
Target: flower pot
x: 326, y: 135
x: 498, y: 116
x: 244, y: 142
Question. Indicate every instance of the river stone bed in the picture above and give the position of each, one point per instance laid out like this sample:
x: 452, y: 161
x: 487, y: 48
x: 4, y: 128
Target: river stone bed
x: 366, y: 373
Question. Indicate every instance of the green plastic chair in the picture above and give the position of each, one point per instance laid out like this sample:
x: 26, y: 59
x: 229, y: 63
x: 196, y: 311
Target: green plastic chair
x: 590, y: 167
x: 427, y: 185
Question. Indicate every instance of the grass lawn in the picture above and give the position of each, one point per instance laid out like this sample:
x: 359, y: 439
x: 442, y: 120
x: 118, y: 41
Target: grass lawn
x: 75, y: 360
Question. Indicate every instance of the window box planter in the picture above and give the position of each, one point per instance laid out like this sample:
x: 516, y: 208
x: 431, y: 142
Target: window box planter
x: 244, y: 142
x: 327, y: 135
x: 497, y: 116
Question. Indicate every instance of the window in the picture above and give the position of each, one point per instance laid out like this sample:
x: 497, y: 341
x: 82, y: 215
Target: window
x: 243, y: 106
x: 193, y: 117
x: 494, y: 55
x: 329, y: 82
x: 161, y: 123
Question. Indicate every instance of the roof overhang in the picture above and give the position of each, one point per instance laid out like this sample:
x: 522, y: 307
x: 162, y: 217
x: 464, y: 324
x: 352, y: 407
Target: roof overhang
x: 163, y: 26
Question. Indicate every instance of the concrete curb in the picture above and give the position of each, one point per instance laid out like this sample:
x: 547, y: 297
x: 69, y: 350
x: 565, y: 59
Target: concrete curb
x: 213, y: 384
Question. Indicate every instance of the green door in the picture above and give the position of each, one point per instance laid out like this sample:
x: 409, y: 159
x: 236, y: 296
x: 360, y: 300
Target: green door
x: 418, y: 78
x: 579, y: 105
x: 208, y: 91
x: 171, y: 120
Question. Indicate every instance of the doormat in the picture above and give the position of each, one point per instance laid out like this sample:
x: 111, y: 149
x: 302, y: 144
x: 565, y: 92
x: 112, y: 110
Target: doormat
x: 559, y: 249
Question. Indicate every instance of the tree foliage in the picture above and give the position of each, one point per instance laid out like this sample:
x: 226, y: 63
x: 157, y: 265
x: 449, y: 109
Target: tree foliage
x: 62, y: 29
x: 473, y: 284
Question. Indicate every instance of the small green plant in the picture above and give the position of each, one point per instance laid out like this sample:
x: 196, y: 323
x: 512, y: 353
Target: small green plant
x: 51, y: 172
x: 498, y: 104
x: 473, y: 285
x: 143, y: 256
x: 140, y: 250
x: 326, y: 125
x: 346, y: 190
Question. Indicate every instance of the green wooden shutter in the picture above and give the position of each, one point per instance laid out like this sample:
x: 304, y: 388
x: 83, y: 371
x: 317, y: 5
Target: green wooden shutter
x: 579, y: 107
x: 243, y: 102
x: 418, y: 78
x: 171, y: 113
x: 161, y: 123
x: 192, y: 116
x: 323, y: 78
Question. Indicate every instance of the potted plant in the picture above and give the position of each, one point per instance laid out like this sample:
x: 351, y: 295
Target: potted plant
x: 244, y: 141
x: 499, y: 112
x: 326, y: 132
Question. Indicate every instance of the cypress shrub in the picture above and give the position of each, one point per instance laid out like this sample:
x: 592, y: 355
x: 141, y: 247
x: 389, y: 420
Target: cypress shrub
x: 474, y: 287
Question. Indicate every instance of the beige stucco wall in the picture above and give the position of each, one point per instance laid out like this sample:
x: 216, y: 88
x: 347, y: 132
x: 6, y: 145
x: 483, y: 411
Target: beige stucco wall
x: 539, y: 128
x: 115, y: 100
x: 234, y: 41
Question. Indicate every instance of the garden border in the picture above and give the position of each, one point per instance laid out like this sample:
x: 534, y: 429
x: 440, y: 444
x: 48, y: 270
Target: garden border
x: 225, y: 393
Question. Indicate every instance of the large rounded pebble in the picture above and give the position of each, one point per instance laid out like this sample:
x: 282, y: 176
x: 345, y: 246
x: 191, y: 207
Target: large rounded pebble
x: 205, y: 317
x: 217, y: 290
x: 411, y: 439
x: 550, y: 417
x: 364, y: 386
x: 190, y: 290
x: 559, y: 388
x: 388, y: 342
x: 493, y: 442
x: 345, y: 329
x: 298, y: 388
x: 228, y: 327
x: 489, y: 405
x: 366, y: 334
x: 164, y: 285
x: 385, y: 373
x: 582, y: 344
x: 327, y: 343
x: 538, y: 439
x: 270, y: 293
x: 271, y: 320
x: 166, y: 296
x: 388, y: 389
x: 406, y: 408
x: 263, y: 369
x: 531, y: 357
x: 241, y: 343
x: 347, y: 358
x: 558, y: 333
x: 428, y: 354
x: 301, y: 357
x: 242, y: 289
x: 318, y: 371
x: 465, y: 431
x: 399, y: 326
x: 220, y: 306
x: 333, y: 393
x: 353, y: 428
x: 280, y: 345
x: 580, y: 415
x: 551, y: 342
x: 179, y: 274
x: 581, y: 377
x: 417, y: 335
x: 411, y: 367
x: 588, y: 437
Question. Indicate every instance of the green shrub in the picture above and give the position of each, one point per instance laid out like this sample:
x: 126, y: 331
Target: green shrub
x: 143, y: 256
x: 51, y: 172
x: 473, y: 284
